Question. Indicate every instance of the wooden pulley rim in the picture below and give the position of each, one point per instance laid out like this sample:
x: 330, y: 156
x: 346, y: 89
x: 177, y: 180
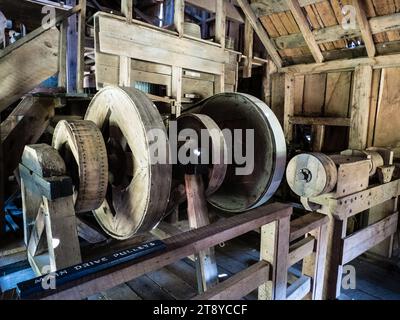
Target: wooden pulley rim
x: 376, y: 161
x: 85, y: 141
x: 140, y: 205
x: 241, y: 111
x: 311, y: 174
x: 218, y: 146
x: 218, y: 149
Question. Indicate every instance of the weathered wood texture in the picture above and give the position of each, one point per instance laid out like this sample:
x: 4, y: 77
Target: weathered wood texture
x: 178, y: 247
x: 21, y: 73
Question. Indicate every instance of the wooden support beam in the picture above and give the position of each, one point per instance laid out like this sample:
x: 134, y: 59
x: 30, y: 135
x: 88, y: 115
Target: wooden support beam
x: 179, y: 16
x: 365, y: 28
x: 261, y: 32
x: 125, y: 62
x: 178, y: 247
x: 289, y: 106
x: 320, y: 121
x: 127, y: 9
x: 81, y: 46
x: 220, y: 22
x: 206, y: 264
x: 176, y: 88
x: 304, y: 26
x: 379, y: 62
x: 300, y: 250
x: 360, y: 108
x: 248, y: 49
x: 365, y: 239
x: 239, y: 285
x: 275, y: 250
x: 299, y: 289
x: 209, y: 5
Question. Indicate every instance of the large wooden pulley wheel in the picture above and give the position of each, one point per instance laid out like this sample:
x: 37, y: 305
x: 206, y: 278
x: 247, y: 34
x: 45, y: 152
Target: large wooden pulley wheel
x: 209, y: 144
x: 241, y: 112
x: 139, y: 185
x: 311, y: 175
x: 82, y: 147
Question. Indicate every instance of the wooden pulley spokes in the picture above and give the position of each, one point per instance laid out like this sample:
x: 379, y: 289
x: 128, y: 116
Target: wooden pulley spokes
x: 81, y: 145
x: 139, y: 186
x: 311, y: 174
x: 242, y: 113
x: 209, y: 145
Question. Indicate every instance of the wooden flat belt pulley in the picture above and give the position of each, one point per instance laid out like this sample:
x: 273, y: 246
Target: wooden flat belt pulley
x: 82, y: 147
x: 211, y: 154
x: 139, y: 186
x: 231, y: 111
x: 311, y: 174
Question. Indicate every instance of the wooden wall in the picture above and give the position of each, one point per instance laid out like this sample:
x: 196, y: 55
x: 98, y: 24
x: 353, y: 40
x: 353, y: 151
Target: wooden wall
x: 330, y: 95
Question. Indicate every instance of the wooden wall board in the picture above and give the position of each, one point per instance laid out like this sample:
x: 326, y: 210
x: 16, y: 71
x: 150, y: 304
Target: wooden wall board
x: 314, y: 94
x: 388, y: 114
x: 145, y: 43
x: 337, y: 96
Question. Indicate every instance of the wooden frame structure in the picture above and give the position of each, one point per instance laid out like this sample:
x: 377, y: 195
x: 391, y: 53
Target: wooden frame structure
x: 270, y: 274
x: 354, y: 196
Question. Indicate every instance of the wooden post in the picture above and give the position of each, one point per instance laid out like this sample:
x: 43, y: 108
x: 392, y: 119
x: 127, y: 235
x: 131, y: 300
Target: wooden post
x: 72, y: 53
x: 334, y: 267
x: 220, y: 22
x: 62, y: 59
x: 81, y: 46
x: 248, y: 49
x: 206, y: 266
x: 318, y: 133
x: 176, y: 88
x: 124, y: 61
x: 179, y: 16
x: 360, y: 107
x: 289, y: 106
x: 314, y: 265
x: 262, y: 34
x: 275, y: 251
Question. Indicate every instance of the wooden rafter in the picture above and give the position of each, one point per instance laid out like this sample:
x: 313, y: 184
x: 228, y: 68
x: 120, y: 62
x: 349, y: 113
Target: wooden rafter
x: 304, y: 26
x: 365, y: 28
x: 260, y: 31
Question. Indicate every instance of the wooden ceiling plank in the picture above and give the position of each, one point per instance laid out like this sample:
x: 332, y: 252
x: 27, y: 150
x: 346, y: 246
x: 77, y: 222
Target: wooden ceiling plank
x: 365, y: 28
x: 303, y: 24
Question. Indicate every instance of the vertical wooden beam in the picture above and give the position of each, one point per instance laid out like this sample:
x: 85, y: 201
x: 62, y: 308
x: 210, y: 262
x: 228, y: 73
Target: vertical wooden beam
x: 365, y: 27
x: 176, y: 88
x: 81, y: 46
x: 304, y: 26
x: 260, y: 31
x: 314, y: 265
x: 72, y: 53
x: 127, y: 9
x: 179, y: 16
x: 289, y: 106
x: 206, y: 265
x: 318, y: 136
x: 248, y: 48
x: 220, y: 22
x: 62, y: 59
x: 362, y: 88
x: 124, y: 61
x: 275, y: 250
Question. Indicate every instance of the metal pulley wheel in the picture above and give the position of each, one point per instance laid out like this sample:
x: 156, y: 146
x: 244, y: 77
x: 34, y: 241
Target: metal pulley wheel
x: 242, y: 112
x: 81, y: 145
x: 139, y: 185
x: 311, y: 174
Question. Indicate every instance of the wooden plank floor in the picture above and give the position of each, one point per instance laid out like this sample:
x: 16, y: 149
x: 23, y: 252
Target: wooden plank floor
x: 375, y: 280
